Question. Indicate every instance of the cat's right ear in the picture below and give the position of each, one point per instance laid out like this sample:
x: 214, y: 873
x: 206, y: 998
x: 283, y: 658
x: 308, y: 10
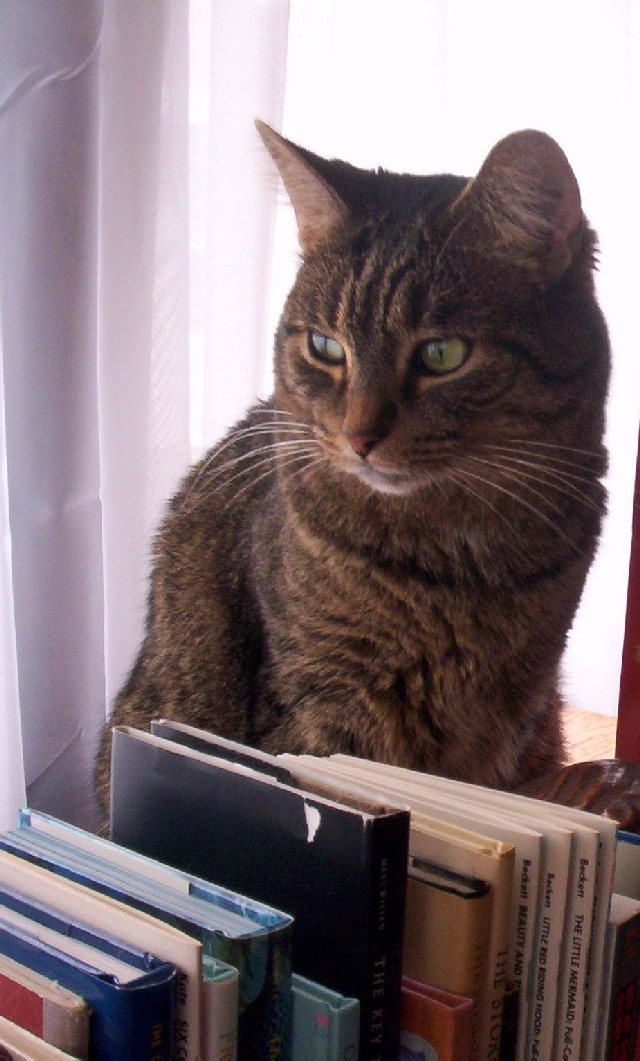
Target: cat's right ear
x: 318, y: 208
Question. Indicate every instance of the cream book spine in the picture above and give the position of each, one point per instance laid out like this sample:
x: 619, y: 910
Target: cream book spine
x: 446, y: 935
x: 573, y: 960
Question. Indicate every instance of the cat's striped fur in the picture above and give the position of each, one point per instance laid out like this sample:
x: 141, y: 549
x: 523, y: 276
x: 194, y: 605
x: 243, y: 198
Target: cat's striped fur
x: 386, y: 557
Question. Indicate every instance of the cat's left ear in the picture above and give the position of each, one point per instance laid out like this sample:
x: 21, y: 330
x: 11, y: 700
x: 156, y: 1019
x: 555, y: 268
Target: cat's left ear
x: 527, y: 192
x: 318, y: 208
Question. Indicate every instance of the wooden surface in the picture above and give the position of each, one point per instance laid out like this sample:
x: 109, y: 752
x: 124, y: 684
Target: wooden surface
x: 588, y: 736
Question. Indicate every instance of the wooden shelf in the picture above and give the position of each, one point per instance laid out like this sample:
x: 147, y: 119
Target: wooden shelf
x: 588, y: 735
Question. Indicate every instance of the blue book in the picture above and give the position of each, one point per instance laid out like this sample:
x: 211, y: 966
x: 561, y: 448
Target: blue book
x: 130, y: 992
x: 326, y: 1025
x: 249, y: 936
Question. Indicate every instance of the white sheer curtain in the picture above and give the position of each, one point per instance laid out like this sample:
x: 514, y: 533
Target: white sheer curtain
x: 12, y: 792
x: 93, y: 294
x: 48, y: 268
x: 239, y: 55
x: 103, y: 141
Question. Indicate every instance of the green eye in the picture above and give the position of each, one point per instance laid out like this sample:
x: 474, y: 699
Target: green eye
x: 325, y: 349
x: 442, y: 355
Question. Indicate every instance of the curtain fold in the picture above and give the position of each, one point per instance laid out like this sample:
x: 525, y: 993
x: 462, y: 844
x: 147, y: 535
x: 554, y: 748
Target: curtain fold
x: 94, y: 294
x: 48, y: 270
x: 143, y: 299
x: 12, y: 790
x: 238, y: 75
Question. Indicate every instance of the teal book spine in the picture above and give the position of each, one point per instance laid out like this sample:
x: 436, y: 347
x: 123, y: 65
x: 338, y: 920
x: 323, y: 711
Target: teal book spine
x: 326, y: 1025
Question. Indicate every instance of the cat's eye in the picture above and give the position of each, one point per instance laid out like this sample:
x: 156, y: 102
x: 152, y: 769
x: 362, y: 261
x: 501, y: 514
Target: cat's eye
x: 442, y: 355
x: 325, y: 349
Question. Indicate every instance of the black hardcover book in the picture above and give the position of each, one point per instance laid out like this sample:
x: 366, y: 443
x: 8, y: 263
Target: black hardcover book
x: 339, y: 869
x: 212, y: 744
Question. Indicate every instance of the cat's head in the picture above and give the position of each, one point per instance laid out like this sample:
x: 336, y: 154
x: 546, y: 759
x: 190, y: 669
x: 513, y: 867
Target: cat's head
x: 443, y: 330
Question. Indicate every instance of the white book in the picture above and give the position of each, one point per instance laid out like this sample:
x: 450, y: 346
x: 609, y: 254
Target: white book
x: 572, y: 980
x: 606, y: 859
x: 130, y: 925
x: 556, y: 1032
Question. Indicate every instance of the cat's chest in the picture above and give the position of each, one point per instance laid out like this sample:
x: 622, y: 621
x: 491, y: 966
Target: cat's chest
x: 396, y: 629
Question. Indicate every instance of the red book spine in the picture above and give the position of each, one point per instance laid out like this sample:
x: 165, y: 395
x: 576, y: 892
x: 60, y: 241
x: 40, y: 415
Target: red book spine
x: 628, y: 732
x: 20, y: 1005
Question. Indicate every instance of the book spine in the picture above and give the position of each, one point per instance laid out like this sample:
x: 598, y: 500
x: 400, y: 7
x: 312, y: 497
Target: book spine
x: 492, y: 1005
x: 138, y: 1026
x: 573, y: 972
x: 344, y: 1033
x: 264, y: 966
x: 220, y: 1019
x: 380, y: 1008
x: 435, y: 1024
x: 67, y: 1029
x: 523, y: 922
x: 322, y: 1032
x: 20, y: 1005
x: 599, y: 927
x: 541, y: 1023
x: 550, y: 933
x: 621, y: 1009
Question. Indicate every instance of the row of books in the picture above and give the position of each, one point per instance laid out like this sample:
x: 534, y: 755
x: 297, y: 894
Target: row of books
x: 211, y: 976
x: 441, y: 919
x: 105, y: 954
x: 329, y: 840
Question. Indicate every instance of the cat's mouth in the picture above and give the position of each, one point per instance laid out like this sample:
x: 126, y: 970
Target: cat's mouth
x: 385, y: 481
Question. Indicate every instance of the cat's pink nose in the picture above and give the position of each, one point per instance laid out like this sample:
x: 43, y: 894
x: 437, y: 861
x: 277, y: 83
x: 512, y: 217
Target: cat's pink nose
x: 363, y: 444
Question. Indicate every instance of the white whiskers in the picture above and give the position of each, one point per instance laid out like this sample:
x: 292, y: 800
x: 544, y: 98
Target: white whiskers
x: 536, y: 511
x: 292, y: 438
x: 275, y: 466
x: 466, y: 488
x: 552, y: 480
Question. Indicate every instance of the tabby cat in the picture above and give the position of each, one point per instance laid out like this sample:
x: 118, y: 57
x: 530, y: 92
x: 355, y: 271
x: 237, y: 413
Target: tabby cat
x: 385, y: 557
